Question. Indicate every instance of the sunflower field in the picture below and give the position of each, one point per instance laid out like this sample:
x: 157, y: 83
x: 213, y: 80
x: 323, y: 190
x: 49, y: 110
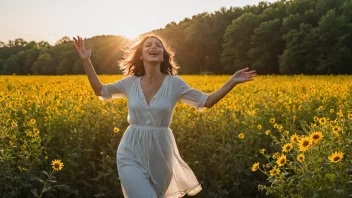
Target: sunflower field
x: 276, y: 136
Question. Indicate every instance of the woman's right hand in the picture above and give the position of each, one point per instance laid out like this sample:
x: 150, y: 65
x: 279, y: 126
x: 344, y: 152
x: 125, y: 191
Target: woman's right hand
x: 79, y: 46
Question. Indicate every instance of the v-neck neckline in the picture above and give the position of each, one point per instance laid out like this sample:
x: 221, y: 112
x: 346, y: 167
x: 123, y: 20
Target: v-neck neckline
x: 145, y: 99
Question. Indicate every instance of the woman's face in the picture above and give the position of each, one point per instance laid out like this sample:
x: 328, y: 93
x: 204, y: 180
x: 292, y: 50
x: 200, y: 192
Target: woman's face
x: 153, y: 50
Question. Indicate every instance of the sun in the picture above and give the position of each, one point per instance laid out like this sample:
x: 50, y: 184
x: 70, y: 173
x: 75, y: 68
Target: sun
x: 130, y: 35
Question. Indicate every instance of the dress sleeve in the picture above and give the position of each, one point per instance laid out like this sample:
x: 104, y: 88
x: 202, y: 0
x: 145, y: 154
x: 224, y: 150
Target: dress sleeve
x: 190, y: 96
x: 115, y: 90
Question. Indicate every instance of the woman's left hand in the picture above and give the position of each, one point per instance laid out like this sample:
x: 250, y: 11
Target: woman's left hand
x: 243, y: 75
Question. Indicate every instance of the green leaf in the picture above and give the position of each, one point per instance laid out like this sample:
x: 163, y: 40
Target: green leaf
x: 315, y: 195
x: 99, y: 195
x: 331, y: 176
x: 46, y: 173
x: 46, y: 189
x: 63, y: 187
x: 38, y: 179
x: 34, y: 192
x: 303, y: 125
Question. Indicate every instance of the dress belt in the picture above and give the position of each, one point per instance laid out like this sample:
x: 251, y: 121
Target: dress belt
x: 147, y: 126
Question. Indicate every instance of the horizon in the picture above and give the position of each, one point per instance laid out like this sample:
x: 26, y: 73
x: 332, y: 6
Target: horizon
x: 88, y: 23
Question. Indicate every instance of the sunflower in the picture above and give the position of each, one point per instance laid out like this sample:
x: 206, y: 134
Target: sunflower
x: 287, y: 147
x: 336, y: 157
x: 294, y: 138
x: 57, y: 165
x: 300, y: 158
x: 274, y: 171
x: 336, y: 129
x: 241, y: 135
x: 267, y: 132
x: 255, y: 166
x: 32, y: 121
x: 116, y: 130
x: 304, y: 143
x: 280, y: 127
x: 349, y: 116
x: 316, y: 137
x: 272, y: 120
x: 340, y: 115
x: 14, y: 124
x: 337, y: 138
x: 322, y: 121
x: 332, y: 110
x: 259, y: 126
x: 276, y: 155
x: 316, y: 119
x: 282, y: 160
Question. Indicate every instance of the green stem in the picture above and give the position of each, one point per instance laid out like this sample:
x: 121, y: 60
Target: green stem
x: 46, y: 181
x: 264, y: 172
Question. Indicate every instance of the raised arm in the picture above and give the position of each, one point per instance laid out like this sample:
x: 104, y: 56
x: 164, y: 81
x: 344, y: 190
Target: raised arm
x: 88, y: 66
x: 240, y: 76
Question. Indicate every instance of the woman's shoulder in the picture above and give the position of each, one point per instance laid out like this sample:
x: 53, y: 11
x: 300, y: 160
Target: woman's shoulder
x: 174, y: 77
x: 129, y: 78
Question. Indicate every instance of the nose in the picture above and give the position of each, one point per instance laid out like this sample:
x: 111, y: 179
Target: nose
x: 153, y: 45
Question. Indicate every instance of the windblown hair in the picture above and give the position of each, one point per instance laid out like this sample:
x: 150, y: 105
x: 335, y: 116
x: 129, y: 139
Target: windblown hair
x: 131, y: 64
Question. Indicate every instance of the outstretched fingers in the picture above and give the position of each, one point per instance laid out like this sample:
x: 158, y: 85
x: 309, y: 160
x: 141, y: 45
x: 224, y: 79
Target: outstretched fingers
x: 245, y: 69
x: 78, y: 44
x: 82, y: 43
x: 75, y: 45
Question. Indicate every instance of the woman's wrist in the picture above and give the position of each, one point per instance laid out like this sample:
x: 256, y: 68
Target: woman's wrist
x: 234, y: 81
x: 86, y: 59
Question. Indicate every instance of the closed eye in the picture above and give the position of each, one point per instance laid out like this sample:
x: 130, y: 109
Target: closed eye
x: 149, y: 44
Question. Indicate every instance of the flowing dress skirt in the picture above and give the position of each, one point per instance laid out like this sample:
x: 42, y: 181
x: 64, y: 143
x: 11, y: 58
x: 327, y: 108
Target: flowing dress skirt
x: 150, y: 166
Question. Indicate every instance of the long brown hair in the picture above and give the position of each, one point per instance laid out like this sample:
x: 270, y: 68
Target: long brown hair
x: 131, y: 64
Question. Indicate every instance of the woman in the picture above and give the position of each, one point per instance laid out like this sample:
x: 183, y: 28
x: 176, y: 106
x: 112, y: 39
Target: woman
x: 148, y: 161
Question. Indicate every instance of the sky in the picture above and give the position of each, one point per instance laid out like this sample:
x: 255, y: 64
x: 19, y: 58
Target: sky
x: 50, y: 20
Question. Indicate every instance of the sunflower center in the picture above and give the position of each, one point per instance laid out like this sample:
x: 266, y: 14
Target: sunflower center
x: 336, y: 158
x: 282, y: 161
x: 316, y: 137
x: 57, y: 166
x: 305, y: 143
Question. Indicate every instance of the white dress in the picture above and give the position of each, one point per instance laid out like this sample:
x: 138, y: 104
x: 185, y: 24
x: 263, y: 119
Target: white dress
x: 148, y: 160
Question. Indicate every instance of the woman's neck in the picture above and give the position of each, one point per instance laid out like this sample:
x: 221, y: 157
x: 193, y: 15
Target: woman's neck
x: 152, y: 72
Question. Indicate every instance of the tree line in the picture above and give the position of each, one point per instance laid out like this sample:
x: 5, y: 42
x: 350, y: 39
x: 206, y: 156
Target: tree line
x: 284, y: 37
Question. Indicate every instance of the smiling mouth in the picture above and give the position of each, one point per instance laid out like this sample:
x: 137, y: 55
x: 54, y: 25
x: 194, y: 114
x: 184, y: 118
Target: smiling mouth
x: 153, y: 53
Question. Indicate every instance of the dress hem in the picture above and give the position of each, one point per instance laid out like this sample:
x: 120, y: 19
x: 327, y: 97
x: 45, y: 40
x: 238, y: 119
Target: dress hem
x: 190, y: 192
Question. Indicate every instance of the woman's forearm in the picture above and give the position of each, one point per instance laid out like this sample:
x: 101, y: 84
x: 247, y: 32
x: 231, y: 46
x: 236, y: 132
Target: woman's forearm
x: 92, y: 76
x: 214, y: 97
